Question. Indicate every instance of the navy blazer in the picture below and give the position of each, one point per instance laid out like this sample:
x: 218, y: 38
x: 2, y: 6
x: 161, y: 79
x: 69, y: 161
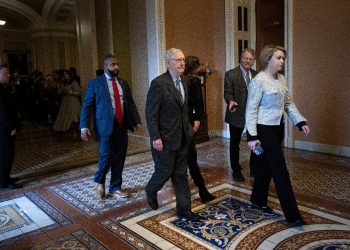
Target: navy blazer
x: 97, y: 102
x: 166, y: 115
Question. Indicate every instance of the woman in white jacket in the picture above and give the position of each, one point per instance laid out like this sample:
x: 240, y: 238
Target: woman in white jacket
x: 268, y: 98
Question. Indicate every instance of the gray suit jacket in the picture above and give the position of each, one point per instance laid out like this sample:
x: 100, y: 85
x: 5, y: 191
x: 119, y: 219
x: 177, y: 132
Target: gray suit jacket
x: 235, y: 89
x: 166, y: 115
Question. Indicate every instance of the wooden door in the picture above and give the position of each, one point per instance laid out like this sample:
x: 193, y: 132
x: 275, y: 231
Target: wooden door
x: 269, y: 24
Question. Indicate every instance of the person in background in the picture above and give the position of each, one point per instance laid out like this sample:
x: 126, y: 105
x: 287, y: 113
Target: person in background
x: 236, y: 85
x: 169, y: 129
x: 193, y: 69
x: 75, y: 77
x: 68, y: 114
x: 99, y: 72
x: 268, y: 98
x: 8, y: 128
x: 109, y: 102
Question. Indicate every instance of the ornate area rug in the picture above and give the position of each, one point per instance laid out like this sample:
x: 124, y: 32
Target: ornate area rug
x: 230, y: 223
x: 81, y: 193
x: 76, y: 240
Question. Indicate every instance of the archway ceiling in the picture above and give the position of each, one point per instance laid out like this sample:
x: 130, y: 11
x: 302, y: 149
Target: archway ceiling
x: 19, y: 13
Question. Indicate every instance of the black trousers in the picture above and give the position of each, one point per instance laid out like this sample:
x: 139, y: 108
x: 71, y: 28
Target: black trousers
x: 272, y: 164
x: 171, y: 164
x: 194, y: 168
x: 235, y: 140
x: 7, y: 156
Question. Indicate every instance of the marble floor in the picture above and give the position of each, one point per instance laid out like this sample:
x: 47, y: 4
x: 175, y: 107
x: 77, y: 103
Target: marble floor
x: 58, y: 209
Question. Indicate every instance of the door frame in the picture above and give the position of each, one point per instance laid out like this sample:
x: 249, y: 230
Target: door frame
x: 288, y: 38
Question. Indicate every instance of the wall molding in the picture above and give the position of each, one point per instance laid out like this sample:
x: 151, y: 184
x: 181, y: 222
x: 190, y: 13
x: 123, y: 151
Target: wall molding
x: 322, y: 148
x: 156, y: 41
x: 229, y: 31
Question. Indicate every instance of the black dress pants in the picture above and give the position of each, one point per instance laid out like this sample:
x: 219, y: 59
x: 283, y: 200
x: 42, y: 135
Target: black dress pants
x: 272, y: 164
x: 171, y: 164
x: 7, y: 155
x: 235, y: 140
x: 194, y: 168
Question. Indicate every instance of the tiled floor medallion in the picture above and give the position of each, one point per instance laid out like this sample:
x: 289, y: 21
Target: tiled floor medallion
x: 75, y: 240
x: 225, y: 220
x: 19, y: 216
x: 231, y: 223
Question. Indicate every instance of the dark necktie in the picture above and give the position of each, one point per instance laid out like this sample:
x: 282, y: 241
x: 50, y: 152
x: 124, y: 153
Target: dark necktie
x: 118, y: 105
x: 247, y: 78
x: 177, y: 84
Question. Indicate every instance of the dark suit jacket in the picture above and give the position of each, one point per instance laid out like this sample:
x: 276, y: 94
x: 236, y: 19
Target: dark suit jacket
x: 8, y: 111
x: 98, y: 102
x: 166, y: 115
x: 195, y: 100
x: 235, y: 89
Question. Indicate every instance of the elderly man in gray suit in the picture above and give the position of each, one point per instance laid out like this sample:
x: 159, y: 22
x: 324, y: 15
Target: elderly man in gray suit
x: 169, y: 130
x: 235, y: 94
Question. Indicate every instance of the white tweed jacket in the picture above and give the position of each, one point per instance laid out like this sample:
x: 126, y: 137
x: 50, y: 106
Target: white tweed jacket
x: 268, y: 98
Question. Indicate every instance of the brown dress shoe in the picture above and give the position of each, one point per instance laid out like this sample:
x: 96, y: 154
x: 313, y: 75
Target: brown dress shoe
x: 101, y: 191
x: 119, y: 194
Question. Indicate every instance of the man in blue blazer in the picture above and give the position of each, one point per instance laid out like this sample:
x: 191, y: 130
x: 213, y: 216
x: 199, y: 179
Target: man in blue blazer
x: 108, y: 99
x: 170, y: 132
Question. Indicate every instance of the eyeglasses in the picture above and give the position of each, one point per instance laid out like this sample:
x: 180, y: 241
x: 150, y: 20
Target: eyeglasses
x: 179, y: 60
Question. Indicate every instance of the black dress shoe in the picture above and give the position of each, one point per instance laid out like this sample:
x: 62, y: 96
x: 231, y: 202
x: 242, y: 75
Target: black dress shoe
x: 15, y: 179
x: 238, y: 176
x: 190, y: 216
x: 297, y: 223
x: 265, y: 209
x: 13, y: 185
x: 206, y: 197
x: 152, y: 202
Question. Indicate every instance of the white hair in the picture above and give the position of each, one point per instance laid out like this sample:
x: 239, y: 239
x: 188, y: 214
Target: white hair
x: 170, y: 53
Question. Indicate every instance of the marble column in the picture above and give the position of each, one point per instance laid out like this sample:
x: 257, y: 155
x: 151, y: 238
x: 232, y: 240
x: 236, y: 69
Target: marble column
x: 86, y: 40
x: 103, y: 29
x: 147, y: 36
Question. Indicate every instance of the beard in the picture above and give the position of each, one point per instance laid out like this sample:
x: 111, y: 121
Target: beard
x: 113, y: 73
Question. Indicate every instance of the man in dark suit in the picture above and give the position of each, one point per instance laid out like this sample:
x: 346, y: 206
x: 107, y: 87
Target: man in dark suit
x: 8, y: 128
x: 108, y: 98
x: 235, y: 94
x: 169, y: 129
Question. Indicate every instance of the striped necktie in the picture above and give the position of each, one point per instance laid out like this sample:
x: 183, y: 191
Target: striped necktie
x: 177, y: 84
x: 247, y: 78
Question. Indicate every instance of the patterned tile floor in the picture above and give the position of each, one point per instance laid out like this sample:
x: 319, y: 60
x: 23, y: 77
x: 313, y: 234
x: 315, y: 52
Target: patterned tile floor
x: 58, y: 209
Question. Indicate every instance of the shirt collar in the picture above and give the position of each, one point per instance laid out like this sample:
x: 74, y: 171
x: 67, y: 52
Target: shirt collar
x: 243, y: 70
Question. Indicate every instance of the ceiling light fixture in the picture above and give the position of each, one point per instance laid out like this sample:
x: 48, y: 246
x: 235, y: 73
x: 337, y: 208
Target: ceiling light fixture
x: 2, y: 22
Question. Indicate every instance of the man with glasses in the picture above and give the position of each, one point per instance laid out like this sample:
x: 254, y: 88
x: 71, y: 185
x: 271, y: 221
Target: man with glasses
x: 168, y: 126
x: 235, y: 94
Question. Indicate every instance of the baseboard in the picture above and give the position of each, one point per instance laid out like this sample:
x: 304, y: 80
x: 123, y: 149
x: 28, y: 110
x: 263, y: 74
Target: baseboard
x: 219, y: 133
x: 310, y: 146
x: 322, y: 148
